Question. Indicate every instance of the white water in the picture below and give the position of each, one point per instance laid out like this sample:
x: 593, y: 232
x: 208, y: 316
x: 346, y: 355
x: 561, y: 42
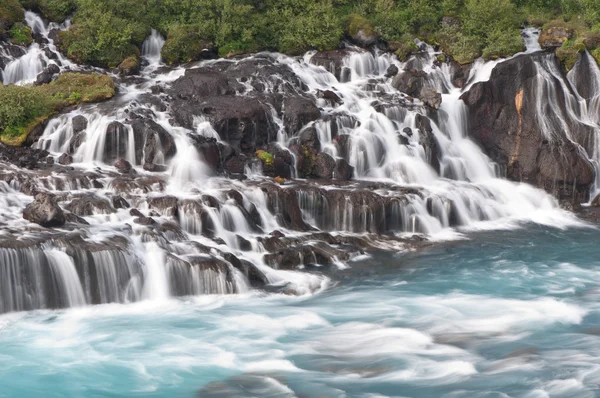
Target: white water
x: 467, y: 193
x: 152, y: 46
x: 24, y: 70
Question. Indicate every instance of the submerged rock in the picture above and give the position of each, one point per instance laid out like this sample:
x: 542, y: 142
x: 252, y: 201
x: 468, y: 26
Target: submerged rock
x: 45, y: 211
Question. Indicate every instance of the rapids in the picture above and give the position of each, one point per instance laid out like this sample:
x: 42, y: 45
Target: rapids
x: 507, y: 313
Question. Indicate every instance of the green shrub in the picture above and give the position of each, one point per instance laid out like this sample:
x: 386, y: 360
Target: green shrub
x: 20, y: 34
x: 10, y: 12
x: 53, y: 10
x: 185, y: 44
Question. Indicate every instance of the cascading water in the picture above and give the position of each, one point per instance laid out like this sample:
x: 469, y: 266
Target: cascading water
x: 172, y: 225
x: 152, y: 46
x: 25, y: 69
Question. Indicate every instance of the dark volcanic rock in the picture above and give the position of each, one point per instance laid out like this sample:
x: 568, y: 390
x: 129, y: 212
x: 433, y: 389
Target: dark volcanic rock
x: 209, y: 149
x: 116, y: 142
x: 198, y: 84
x: 333, y: 61
x: 243, y: 122
x: 410, y: 82
x: 152, y: 141
x: 324, y: 166
x: 79, y: 123
x: 504, y: 119
x: 342, y: 171
x: 44, y: 211
x: 298, y: 112
x: 65, y: 159
x: 123, y: 165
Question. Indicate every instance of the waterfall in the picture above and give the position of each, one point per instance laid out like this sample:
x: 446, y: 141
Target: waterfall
x: 152, y: 46
x: 174, y: 225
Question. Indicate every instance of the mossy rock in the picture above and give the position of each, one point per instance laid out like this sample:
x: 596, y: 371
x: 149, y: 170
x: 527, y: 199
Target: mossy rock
x: 23, y: 108
x: 129, y: 66
x: 20, y: 34
x: 265, y: 157
x: 403, y: 48
x: 10, y: 13
x: 567, y: 56
x: 184, y: 44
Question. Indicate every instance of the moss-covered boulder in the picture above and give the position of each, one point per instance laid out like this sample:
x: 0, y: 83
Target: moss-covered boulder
x: 185, y: 44
x: 10, y: 13
x: 361, y: 31
x: 555, y: 36
x: 24, y: 108
x: 129, y: 66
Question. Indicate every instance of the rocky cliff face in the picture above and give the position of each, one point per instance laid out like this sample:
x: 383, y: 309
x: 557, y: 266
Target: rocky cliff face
x: 529, y: 120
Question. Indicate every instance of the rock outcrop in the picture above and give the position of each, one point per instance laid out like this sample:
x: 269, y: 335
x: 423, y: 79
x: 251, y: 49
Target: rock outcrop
x: 522, y: 131
x: 44, y: 211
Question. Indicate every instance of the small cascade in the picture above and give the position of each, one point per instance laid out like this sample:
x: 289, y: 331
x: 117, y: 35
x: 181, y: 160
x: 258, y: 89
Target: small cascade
x: 152, y: 46
x: 25, y: 69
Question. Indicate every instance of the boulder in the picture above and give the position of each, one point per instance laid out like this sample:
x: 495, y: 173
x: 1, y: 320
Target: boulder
x: 410, y: 82
x: 324, y: 166
x: 65, y: 159
x: 45, y: 211
x: 333, y: 61
x: 430, y: 97
x: 123, y: 166
x: 200, y: 83
x: 209, y: 149
x: 392, y: 71
x: 79, y: 123
x: 115, y: 143
x: 129, y: 66
x: 89, y: 205
x: 245, y: 123
x: 342, y: 171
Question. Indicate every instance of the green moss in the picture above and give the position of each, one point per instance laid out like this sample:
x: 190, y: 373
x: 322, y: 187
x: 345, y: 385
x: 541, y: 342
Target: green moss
x: 10, y: 13
x: 20, y: 34
x: 403, y: 48
x: 265, y: 157
x: 22, y: 108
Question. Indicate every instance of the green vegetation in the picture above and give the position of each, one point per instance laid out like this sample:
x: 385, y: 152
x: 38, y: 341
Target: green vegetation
x: 22, y: 108
x: 10, y: 13
x: 106, y: 32
x: 20, y: 34
x: 265, y: 157
x: 54, y: 10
